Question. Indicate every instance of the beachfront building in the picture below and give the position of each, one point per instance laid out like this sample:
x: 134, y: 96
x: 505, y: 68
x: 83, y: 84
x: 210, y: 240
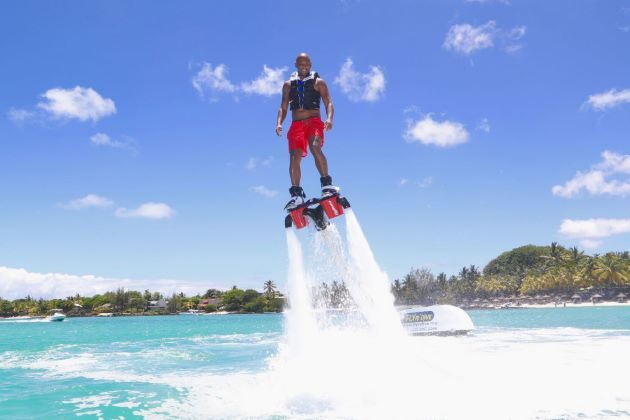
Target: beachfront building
x: 157, y: 304
x: 209, y: 301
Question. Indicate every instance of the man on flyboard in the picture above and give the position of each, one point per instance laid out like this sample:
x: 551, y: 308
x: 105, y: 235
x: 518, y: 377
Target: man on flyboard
x: 303, y: 92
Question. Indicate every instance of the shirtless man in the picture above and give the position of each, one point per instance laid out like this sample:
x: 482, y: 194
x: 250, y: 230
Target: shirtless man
x: 303, y: 92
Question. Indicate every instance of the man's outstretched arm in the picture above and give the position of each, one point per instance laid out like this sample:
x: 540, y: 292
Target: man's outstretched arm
x: 284, y: 106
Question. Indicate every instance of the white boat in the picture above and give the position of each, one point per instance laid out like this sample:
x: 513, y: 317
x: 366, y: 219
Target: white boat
x: 435, y: 320
x: 55, y: 317
x: 191, y: 312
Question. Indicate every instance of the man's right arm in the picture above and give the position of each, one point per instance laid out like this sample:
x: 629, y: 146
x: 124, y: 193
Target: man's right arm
x: 284, y: 106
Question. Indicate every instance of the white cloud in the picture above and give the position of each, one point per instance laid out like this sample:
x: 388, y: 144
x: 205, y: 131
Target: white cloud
x: 254, y: 162
x: 366, y: 87
x: 147, y: 211
x: 517, y: 32
x: 594, y: 228
x: 17, y: 283
x: 466, y: 39
x: 597, y: 180
x: 269, y: 83
x: 102, y: 139
x: 80, y: 103
x: 212, y: 80
x: 590, y: 243
x: 609, y: 99
x: 90, y: 200
x: 403, y: 181
x: 264, y: 191
x: 20, y: 115
x: 484, y: 125
x: 439, y: 133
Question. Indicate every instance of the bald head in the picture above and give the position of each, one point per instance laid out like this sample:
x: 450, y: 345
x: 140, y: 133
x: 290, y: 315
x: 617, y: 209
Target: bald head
x: 302, y: 56
x: 303, y: 64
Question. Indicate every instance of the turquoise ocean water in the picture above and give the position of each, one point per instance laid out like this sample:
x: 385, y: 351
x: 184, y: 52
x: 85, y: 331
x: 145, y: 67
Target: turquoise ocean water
x: 212, y: 366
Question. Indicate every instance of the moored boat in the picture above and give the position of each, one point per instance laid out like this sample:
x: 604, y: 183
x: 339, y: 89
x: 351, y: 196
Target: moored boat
x: 435, y: 320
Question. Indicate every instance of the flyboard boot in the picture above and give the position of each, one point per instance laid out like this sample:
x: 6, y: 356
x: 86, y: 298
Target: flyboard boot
x: 318, y: 210
x: 297, y: 198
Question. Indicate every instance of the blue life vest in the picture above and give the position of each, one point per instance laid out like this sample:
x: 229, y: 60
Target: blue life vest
x: 303, y: 94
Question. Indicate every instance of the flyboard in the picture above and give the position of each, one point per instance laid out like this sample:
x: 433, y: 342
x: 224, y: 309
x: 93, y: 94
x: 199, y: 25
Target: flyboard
x: 318, y: 210
x: 435, y: 320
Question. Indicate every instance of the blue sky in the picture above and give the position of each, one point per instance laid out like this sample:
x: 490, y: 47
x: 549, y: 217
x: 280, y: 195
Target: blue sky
x: 137, y: 143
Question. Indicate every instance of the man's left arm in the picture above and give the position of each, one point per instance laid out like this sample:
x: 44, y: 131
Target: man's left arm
x: 330, y: 110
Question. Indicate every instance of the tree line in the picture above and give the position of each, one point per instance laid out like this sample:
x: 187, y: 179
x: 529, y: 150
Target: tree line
x: 525, y: 271
x: 147, y: 302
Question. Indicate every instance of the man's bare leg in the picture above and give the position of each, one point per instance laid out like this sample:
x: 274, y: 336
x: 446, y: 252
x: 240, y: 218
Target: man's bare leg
x: 295, y: 171
x: 315, y: 144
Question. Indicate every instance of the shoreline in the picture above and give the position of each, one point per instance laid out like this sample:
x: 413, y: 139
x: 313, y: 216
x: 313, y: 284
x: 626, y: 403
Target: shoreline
x: 561, y: 305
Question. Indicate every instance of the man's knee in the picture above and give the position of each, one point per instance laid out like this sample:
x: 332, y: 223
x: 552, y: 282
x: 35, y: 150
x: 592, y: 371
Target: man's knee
x: 315, y: 145
x: 296, y: 155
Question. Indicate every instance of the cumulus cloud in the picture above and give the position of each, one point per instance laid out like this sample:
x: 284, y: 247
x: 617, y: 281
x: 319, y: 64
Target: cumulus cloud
x: 212, y: 80
x: 264, y: 191
x: 439, y: 133
x: 597, y: 181
x: 254, y: 162
x: 80, y: 103
x: 403, y: 181
x: 361, y: 87
x: 147, y: 211
x: 594, y: 228
x: 609, y: 99
x: 17, y: 283
x: 90, y: 200
x: 20, y: 115
x: 466, y: 39
x: 269, y: 83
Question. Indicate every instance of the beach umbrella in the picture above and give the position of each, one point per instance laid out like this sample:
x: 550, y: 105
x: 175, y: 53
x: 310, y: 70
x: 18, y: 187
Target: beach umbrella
x: 596, y: 296
x: 621, y: 295
x: 576, y: 296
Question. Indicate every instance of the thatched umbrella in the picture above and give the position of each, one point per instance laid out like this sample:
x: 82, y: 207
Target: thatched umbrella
x: 621, y: 297
x: 576, y: 298
x: 596, y: 297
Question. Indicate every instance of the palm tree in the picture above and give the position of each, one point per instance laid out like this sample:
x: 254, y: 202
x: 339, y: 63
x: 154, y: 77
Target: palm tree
x: 270, y: 289
x: 610, y: 270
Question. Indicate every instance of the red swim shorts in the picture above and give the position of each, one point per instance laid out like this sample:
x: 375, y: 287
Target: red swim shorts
x: 302, y: 130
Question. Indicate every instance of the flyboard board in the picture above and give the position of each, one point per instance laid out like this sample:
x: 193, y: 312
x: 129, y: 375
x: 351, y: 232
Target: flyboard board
x: 435, y: 320
x: 318, y: 210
